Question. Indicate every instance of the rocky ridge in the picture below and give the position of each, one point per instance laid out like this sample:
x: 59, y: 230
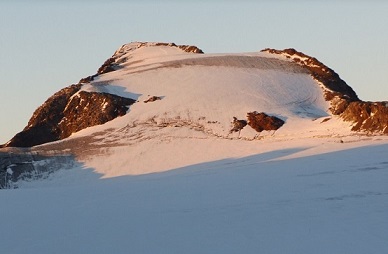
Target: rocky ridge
x: 112, y: 63
x: 69, y: 111
x: 369, y: 117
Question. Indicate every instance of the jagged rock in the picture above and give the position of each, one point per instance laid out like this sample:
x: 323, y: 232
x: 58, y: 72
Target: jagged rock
x: 238, y: 125
x: 186, y: 48
x: 69, y: 111
x: 190, y: 49
x: 42, y: 126
x: 262, y: 121
x: 87, y: 109
x: 152, y: 99
x: 367, y: 116
x: 87, y: 79
x: 108, y: 66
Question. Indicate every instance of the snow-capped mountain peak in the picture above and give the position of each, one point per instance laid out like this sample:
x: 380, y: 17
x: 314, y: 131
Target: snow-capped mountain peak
x: 148, y: 92
x: 167, y: 151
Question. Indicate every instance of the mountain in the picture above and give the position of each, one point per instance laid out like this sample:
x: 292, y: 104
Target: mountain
x: 104, y: 96
x: 167, y: 149
x: 163, y: 91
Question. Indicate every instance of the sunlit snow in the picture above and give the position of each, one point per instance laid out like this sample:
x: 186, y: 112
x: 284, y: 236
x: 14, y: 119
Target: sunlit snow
x: 168, y: 177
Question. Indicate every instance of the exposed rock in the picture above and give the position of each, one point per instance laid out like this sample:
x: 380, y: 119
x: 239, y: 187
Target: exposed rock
x: 108, y: 66
x: 190, y: 49
x: 67, y: 112
x: 152, y: 99
x: 365, y: 116
x: 262, y: 121
x: 87, y: 109
x: 238, y: 125
x: 43, y: 125
x: 186, y: 48
x: 87, y: 79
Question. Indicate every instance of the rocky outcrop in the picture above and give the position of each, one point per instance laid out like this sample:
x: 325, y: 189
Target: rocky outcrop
x: 108, y: 66
x: 365, y: 116
x: 152, y: 99
x: 263, y: 122
x: 87, y: 109
x: 186, y: 48
x: 69, y: 111
x: 237, y: 125
x: 42, y: 126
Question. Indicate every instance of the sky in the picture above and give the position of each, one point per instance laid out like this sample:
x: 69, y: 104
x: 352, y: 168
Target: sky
x: 48, y: 45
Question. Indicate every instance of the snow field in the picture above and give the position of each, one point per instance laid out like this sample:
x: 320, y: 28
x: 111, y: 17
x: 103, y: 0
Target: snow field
x: 287, y: 200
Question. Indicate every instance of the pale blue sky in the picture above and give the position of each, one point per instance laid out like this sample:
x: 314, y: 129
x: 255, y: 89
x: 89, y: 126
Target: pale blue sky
x: 48, y: 45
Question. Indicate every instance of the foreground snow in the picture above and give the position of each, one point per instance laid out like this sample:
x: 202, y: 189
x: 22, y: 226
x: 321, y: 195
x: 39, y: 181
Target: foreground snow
x: 307, y: 196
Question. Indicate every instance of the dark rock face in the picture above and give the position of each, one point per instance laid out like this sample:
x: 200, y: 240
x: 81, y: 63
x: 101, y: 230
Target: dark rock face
x: 261, y: 121
x: 88, y: 109
x: 108, y: 66
x: 186, y: 48
x: 43, y: 125
x: 366, y: 116
x: 238, y: 125
x: 67, y: 112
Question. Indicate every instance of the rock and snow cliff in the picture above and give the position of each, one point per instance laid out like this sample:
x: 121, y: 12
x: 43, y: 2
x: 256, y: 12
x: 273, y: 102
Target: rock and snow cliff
x: 258, y: 147
x: 371, y: 117
x: 164, y: 91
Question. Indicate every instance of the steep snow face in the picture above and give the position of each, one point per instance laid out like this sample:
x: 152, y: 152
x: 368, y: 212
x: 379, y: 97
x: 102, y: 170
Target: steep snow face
x: 209, y: 90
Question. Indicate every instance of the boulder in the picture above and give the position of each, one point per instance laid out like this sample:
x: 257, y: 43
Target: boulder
x: 263, y: 122
x: 238, y: 125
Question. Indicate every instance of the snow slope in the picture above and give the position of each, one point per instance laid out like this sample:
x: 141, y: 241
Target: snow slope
x: 169, y: 177
x: 212, y: 88
x: 303, y: 198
